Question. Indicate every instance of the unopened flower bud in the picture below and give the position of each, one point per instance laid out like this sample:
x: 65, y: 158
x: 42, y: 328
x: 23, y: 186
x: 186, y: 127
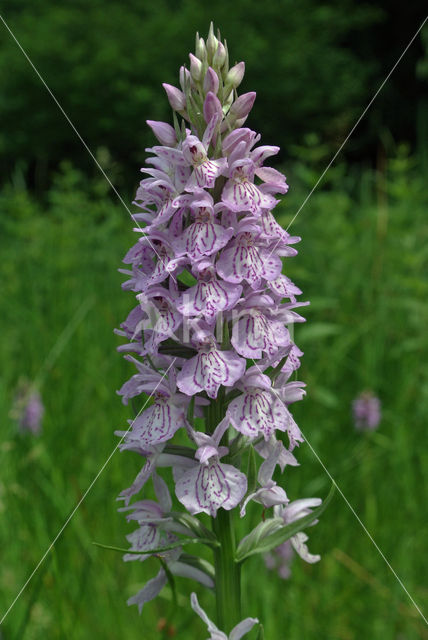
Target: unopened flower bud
x: 235, y: 75
x: 185, y: 78
x: 195, y: 67
x: 212, y: 106
x: 219, y: 57
x: 163, y: 132
x: 212, y: 43
x: 200, y: 49
x: 176, y: 98
x: 242, y: 105
x: 211, y: 81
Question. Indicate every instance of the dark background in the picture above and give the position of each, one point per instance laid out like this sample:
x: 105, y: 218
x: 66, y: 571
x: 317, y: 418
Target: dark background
x: 315, y: 66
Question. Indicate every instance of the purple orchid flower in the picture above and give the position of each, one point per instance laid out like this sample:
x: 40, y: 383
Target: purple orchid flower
x: 209, y: 265
x: 210, y: 484
x: 269, y: 494
x: 205, y: 171
x: 366, y: 411
x: 292, y: 512
x: 210, y: 368
x: 210, y: 296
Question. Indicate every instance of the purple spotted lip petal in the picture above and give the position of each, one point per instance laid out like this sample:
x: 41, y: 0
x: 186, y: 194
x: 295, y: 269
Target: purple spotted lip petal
x: 246, y: 260
x: 208, y: 370
x: 209, y: 297
x: 259, y: 412
x: 159, y: 422
x: 202, y: 238
x: 240, y: 193
x: 210, y: 486
x: 254, y: 333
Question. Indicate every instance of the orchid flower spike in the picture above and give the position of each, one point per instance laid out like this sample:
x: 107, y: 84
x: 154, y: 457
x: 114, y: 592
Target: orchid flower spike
x: 211, y: 341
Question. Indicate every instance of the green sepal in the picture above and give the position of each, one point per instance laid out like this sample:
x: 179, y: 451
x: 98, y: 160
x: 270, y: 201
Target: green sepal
x: 268, y: 535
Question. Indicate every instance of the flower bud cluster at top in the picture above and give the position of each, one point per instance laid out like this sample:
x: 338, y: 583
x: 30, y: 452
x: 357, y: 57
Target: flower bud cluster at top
x: 209, y: 336
x: 209, y: 87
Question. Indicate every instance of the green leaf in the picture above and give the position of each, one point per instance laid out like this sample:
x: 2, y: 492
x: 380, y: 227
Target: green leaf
x: 186, y: 278
x: 158, y: 550
x: 171, y: 581
x: 194, y: 525
x: 273, y: 372
x: 261, y: 633
x: 266, y: 536
x: 172, y: 348
x: 180, y: 450
x: 251, y: 543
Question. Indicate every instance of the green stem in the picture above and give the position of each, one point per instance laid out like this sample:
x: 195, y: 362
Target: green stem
x: 227, y: 571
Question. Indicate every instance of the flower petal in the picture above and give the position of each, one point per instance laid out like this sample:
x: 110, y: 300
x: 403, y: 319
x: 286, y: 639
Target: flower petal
x: 299, y: 544
x: 149, y: 591
x: 242, y: 628
x: 158, y: 423
x: 210, y: 486
x: 208, y: 370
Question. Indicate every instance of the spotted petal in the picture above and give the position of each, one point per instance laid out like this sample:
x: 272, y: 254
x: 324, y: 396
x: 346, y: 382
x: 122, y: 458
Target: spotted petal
x: 202, y: 238
x: 159, y: 422
x: 209, y: 298
x: 241, y: 194
x: 254, y: 333
x: 149, y: 591
x: 258, y: 411
x: 208, y: 487
x: 208, y: 370
x: 246, y: 260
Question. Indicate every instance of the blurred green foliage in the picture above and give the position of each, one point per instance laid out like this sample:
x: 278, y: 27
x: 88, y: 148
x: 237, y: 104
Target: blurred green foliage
x: 361, y: 264
x: 314, y: 66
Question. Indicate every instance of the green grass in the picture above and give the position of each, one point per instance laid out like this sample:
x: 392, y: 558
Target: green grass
x: 363, y: 265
